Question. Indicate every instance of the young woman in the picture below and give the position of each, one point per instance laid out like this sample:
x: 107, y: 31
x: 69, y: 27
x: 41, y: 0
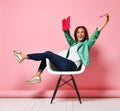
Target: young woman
x: 78, y: 53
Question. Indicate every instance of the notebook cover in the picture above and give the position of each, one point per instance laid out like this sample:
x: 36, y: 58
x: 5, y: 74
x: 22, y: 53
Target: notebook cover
x: 66, y: 24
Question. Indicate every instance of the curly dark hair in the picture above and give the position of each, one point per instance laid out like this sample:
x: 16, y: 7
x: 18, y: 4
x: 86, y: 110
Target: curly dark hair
x: 86, y: 33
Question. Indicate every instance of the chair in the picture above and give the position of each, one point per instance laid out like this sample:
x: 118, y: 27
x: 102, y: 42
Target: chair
x: 53, y: 70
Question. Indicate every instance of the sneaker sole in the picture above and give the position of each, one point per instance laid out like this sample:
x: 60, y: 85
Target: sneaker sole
x: 33, y: 82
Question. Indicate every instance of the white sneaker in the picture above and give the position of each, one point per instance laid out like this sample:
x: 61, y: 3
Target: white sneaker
x: 33, y: 80
x: 18, y: 56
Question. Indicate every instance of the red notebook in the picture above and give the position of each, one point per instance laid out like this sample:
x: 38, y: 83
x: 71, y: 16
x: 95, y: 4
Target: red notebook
x: 66, y: 24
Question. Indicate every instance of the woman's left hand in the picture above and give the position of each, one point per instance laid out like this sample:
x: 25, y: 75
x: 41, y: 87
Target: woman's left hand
x: 106, y: 18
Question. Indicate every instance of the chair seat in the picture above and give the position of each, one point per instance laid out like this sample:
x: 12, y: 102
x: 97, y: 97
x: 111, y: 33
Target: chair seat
x: 53, y: 70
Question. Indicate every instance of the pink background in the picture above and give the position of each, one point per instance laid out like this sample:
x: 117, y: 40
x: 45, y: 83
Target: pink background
x: 35, y: 26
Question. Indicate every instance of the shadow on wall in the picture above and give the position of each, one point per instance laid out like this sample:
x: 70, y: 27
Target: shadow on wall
x: 94, y: 77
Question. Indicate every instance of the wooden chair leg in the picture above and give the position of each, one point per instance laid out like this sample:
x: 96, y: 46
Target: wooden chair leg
x: 76, y: 89
x: 57, y: 86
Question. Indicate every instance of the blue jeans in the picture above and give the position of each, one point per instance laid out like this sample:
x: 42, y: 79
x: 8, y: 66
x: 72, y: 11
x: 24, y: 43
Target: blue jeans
x: 61, y: 63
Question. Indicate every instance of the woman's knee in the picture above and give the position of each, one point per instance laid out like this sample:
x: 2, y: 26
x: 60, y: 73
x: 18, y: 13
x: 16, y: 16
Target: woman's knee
x: 47, y: 53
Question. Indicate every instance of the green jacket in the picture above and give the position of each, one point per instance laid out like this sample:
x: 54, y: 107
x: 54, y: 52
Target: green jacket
x: 83, y: 47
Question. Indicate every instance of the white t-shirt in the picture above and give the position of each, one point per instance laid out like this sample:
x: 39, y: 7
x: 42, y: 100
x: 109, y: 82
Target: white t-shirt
x: 73, y: 55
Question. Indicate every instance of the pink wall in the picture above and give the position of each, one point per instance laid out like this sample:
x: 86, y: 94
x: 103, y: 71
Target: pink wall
x: 35, y: 26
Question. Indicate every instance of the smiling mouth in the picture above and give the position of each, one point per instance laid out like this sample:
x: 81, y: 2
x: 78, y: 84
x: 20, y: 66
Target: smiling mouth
x: 80, y: 37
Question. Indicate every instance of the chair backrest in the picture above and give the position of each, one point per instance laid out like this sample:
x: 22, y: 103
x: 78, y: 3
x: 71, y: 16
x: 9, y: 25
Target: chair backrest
x: 63, y: 53
x: 53, y: 70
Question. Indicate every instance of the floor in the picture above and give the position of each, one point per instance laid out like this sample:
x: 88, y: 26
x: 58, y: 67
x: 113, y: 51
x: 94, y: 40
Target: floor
x: 59, y: 104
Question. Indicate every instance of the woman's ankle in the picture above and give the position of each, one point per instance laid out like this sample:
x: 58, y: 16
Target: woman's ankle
x: 24, y: 56
x: 38, y: 74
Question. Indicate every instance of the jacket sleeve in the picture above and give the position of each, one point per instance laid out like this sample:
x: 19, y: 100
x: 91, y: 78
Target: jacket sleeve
x: 93, y: 38
x: 68, y: 37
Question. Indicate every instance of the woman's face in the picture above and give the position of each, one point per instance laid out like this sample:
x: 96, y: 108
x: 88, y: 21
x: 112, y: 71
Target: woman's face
x: 80, y: 34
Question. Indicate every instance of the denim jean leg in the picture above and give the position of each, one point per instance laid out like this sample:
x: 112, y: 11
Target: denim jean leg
x: 42, y: 66
x: 61, y: 63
